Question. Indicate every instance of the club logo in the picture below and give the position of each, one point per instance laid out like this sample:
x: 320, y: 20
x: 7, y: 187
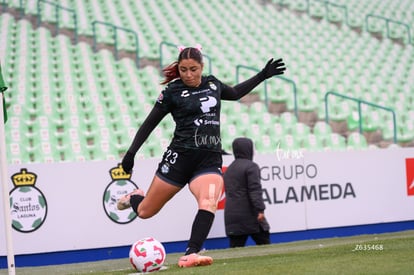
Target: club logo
x: 28, y: 205
x: 120, y: 185
x: 409, y: 166
x: 212, y: 86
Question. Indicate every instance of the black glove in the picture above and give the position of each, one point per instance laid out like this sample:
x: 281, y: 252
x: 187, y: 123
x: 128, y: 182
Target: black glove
x: 273, y: 68
x: 128, y: 162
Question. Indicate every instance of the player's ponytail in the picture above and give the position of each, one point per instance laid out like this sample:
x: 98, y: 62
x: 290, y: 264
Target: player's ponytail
x: 170, y: 72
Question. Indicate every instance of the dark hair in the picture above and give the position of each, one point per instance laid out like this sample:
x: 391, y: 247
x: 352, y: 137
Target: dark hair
x: 171, y: 71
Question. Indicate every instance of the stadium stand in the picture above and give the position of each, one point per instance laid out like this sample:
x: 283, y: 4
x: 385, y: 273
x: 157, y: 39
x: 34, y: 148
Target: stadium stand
x: 63, y: 108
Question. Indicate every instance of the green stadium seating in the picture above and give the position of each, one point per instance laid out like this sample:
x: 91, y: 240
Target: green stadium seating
x: 68, y: 84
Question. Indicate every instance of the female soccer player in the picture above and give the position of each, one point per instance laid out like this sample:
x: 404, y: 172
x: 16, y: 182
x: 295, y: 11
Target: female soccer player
x: 194, y: 154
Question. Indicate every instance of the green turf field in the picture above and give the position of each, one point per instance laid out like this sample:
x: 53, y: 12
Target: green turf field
x: 391, y: 253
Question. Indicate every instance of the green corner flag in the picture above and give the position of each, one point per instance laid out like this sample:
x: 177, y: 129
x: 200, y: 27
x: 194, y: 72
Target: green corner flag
x: 2, y: 89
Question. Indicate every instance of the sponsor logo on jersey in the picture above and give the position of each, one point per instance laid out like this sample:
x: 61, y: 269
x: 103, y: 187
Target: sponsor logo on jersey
x: 207, y: 103
x: 198, y: 121
x: 185, y: 93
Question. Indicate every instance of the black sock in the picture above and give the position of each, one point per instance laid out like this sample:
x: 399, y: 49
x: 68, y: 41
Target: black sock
x: 135, y: 200
x: 199, y: 232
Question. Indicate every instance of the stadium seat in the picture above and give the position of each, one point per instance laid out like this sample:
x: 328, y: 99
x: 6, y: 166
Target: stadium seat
x: 264, y: 144
x: 339, y: 111
x: 278, y: 130
x: 229, y: 133
x: 288, y: 142
x: 356, y: 141
x: 308, y: 102
x: 288, y: 121
x: 333, y: 141
x: 405, y: 133
x: 353, y: 121
x: 322, y: 128
x: 301, y: 131
x: 371, y: 121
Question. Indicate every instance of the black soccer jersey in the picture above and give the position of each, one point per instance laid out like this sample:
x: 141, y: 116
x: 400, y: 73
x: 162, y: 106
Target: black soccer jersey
x: 196, y: 112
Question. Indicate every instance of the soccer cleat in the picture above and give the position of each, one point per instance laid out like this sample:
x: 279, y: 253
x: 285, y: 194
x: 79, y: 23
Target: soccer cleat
x: 194, y: 260
x: 124, y: 203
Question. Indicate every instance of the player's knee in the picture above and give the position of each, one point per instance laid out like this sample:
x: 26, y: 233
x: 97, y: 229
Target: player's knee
x: 208, y: 204
x: 145, y: 213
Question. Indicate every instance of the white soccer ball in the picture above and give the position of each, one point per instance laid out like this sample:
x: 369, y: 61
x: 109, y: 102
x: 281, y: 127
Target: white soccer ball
x: 147, y: 255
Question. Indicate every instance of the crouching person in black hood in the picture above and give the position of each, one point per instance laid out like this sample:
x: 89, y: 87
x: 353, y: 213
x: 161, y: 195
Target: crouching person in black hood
x: 244, y: 210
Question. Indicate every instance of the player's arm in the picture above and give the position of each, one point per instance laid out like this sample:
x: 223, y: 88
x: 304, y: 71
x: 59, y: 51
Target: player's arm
x: 272, y: 68
x: 149, y: 124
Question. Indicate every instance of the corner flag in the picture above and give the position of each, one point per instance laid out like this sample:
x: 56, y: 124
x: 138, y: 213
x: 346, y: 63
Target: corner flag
x: 3, y: 182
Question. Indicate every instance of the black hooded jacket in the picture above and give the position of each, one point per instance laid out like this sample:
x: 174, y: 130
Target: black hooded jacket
x: 243, y: 192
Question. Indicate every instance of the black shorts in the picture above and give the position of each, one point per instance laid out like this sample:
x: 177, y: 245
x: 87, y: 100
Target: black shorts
x: 180, y: 165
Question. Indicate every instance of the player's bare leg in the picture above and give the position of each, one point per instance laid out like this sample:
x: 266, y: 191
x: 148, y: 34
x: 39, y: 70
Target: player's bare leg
x: 207, y: 190
x: 158, y: 194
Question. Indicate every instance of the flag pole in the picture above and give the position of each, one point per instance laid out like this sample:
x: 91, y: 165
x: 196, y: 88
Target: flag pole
x: 4, y: 173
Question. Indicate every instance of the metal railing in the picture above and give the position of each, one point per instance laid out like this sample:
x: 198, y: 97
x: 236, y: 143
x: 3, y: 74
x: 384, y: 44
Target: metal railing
x: 161, y: 47
x: 295, y: 93
x: 360, y: 102
x: 291, y: 82
x: 388, y: 22
x: 5, y: 5
x: 58, y: 8
x: 115, y: 30
x: 329, y: 7
x: 171, y: 45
